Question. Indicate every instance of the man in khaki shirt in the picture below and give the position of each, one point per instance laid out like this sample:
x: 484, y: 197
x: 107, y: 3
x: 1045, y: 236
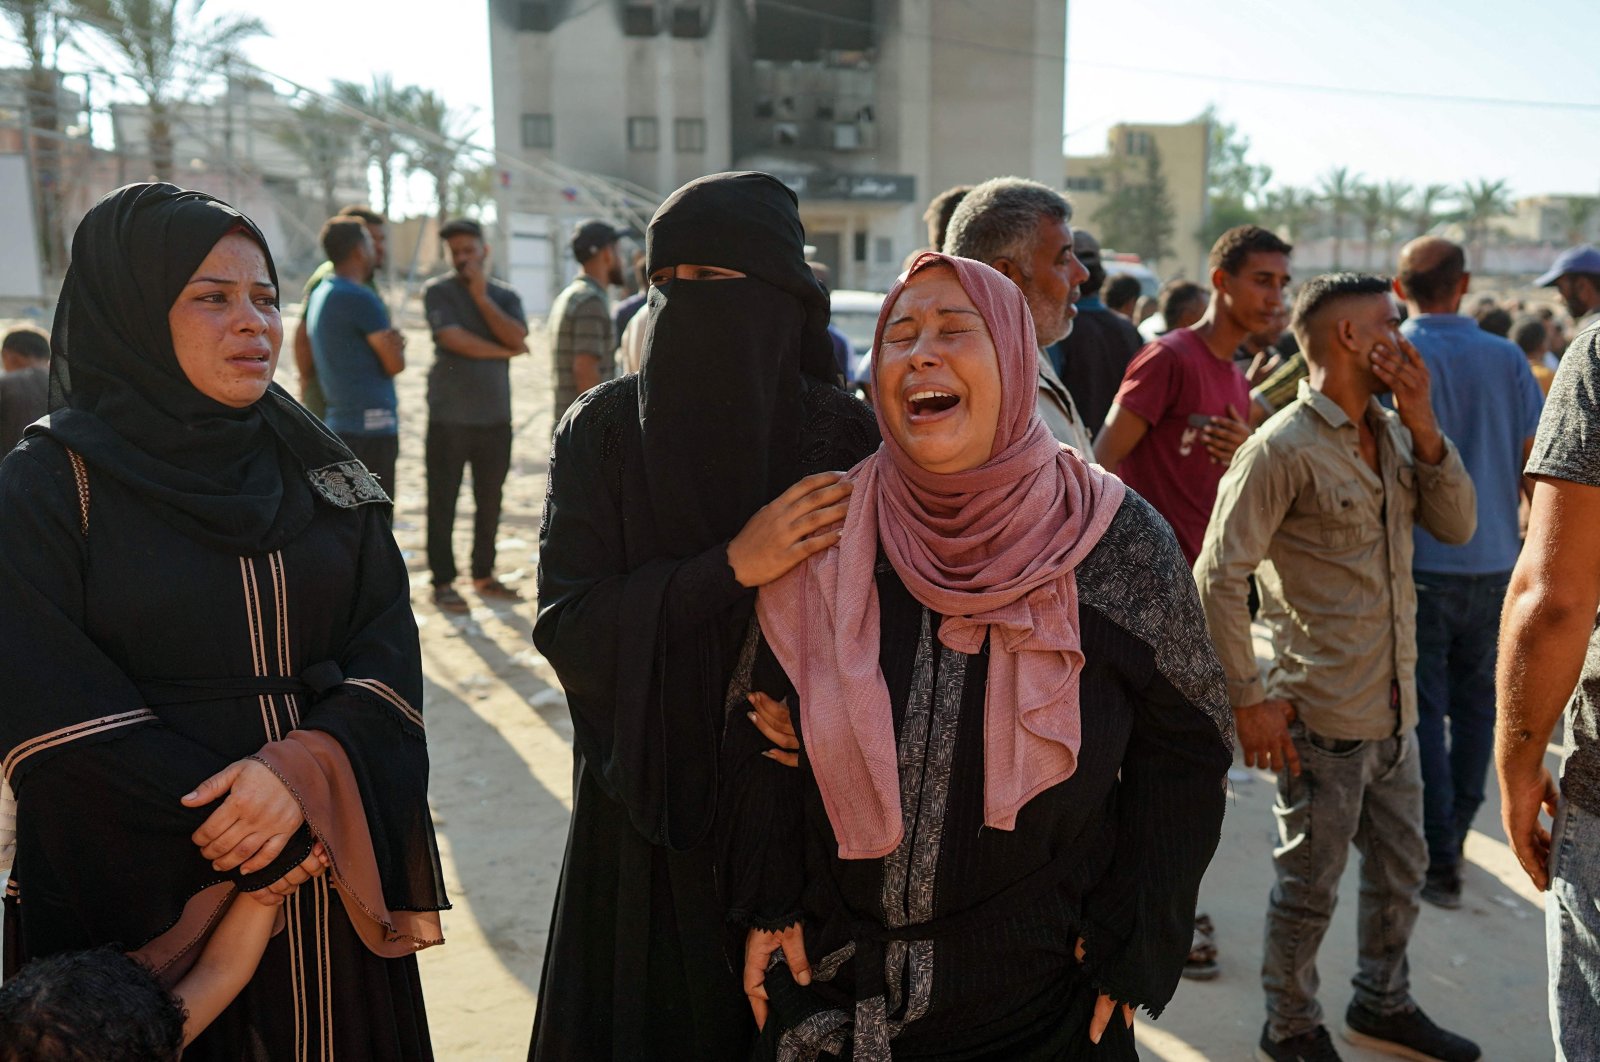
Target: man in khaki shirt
x: 1320, y: 504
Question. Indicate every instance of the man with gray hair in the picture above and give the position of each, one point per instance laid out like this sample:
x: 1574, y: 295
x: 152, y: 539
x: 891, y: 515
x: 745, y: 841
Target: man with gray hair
x: 1023, y: 229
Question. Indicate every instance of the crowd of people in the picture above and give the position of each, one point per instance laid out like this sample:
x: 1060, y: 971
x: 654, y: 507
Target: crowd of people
x: 901, y: 730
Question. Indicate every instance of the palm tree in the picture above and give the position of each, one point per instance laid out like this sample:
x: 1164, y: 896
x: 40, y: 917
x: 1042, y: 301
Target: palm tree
x: 1288, y: 210
x: 435, y: 137
x: 1426, y: 209
x: 1338, y: 191
x: 323, y: 135
x: 1370, y: 209
x: 474, y: 188
x: 385, y: 104
x: 1482, y: 201
x: 1396, y: 205
x: 165, y: 48
x: 40, y: 28
x: 1580, y: 211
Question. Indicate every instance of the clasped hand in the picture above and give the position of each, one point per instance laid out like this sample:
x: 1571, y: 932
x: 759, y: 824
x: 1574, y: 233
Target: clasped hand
x: 249, y: 828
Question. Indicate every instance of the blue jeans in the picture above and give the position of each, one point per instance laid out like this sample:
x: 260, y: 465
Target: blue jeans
x: 1572, y: 934
x: 1366, y: 793
x: 1458, y: 625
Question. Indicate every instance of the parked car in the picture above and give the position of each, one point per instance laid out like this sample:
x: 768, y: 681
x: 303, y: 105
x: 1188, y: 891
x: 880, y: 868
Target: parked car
x: 855, y: 313
x: 1122, y: 263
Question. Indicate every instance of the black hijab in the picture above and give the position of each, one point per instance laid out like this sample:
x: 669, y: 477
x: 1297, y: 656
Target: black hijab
x: 234, y: 479
x: 720, y: 387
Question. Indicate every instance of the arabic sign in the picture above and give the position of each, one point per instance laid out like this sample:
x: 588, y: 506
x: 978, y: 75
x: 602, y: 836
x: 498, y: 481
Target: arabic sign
x: 869, y: 187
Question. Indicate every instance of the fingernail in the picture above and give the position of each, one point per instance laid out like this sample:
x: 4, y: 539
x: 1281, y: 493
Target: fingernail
x: 804, y: 979
x: 191, y: 796
x: 750, y: 716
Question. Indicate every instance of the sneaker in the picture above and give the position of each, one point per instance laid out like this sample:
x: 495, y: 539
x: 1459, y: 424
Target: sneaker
x: 1407, y: 1033
x: 1314, y: 1046
x: 1442, y: 888
x: 493, y: 588
x: 1201, y: 965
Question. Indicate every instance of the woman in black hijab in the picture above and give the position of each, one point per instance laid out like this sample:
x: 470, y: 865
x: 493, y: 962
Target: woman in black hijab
x: 673, y: 494
x: 211, y: 663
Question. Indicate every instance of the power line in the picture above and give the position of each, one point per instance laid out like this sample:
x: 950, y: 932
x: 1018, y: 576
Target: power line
x: 1342, y: 90
x: 1196, y: 75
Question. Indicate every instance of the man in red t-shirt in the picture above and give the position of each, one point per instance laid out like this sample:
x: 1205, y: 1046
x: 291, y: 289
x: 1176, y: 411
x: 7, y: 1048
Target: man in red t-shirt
x: 1179, y: 414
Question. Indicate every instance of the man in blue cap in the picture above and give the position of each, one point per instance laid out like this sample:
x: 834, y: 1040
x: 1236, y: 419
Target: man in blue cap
x: 1576, y: 275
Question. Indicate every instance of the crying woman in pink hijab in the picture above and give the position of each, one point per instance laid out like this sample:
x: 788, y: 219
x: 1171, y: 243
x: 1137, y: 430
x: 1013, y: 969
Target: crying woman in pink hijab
x: 1013, y: 732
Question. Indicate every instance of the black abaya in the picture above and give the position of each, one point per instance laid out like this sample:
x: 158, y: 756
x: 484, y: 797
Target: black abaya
x: 634, y: 967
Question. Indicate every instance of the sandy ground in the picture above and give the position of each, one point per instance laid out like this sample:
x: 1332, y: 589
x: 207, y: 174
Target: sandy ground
x: 500, y: 743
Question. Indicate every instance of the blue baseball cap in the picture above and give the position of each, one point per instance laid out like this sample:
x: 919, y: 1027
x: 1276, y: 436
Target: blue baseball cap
x: 1583, y: 259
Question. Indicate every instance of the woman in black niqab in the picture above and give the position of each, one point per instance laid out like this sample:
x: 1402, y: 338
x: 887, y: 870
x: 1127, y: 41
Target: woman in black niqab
x: 197, y: 596
x: 642, y: 617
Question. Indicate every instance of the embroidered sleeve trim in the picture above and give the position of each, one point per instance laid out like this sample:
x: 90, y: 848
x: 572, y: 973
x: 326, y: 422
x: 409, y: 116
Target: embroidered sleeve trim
x: 382, y: 691
x: 347, y: 485
x: 71, y: 733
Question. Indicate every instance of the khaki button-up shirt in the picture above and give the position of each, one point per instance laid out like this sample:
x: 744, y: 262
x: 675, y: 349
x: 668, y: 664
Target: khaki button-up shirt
x: 1059, y: 413
x: 1330, y: 543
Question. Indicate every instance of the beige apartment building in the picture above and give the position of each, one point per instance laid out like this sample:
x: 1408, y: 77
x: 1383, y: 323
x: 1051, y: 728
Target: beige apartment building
x: 1183, y: 152
x: 866, y: 108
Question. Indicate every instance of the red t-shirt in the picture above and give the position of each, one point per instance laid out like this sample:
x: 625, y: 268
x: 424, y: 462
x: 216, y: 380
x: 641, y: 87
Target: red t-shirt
x: 1170, y: 381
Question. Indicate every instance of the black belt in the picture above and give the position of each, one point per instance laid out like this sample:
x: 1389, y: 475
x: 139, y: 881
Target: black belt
x: 318, y: 678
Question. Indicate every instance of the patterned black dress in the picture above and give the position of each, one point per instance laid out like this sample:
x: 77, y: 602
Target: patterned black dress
x: 960, y: 943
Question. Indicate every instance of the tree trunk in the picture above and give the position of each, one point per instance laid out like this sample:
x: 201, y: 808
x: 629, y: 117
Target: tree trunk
x: 41, y: 87
x: 441, y: 193
x: 386, y: 181
x: 160, y: 136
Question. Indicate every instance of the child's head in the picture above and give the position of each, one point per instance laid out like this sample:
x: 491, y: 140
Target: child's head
x: 88, y: 1006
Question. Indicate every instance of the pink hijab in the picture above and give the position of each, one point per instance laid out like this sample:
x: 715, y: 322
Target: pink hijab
x: 993, y: 550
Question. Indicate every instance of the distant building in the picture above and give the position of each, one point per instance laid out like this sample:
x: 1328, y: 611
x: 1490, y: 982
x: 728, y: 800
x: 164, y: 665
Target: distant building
x: 233, y: 146
x: 1183, y: 151
x: 866, y: 108
x: 1550, y: 219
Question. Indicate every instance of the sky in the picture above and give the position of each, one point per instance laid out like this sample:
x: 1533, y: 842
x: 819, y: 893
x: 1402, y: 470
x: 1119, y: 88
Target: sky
x: 1457, y: 49
x: 1162, y: 61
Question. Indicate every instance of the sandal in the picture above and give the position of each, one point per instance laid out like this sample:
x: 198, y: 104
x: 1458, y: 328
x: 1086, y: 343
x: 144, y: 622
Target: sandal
x: 1201, y: 965
x: 495, y: 589
x: 448, y: 599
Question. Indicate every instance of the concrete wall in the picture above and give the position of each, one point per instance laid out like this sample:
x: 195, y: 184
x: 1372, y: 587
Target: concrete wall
x: 957, y: 91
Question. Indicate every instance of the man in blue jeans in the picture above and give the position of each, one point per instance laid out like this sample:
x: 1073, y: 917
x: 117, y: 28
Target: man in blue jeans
x: 1488, y: 403
x: 1320, y: 505
x: 1550, y: 644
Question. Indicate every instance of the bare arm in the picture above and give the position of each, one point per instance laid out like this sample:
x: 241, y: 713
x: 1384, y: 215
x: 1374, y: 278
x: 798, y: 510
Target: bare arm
x: 390, y: 347
x: 458, y: 340
x: 303, y: 362
x: 586, y: 371
x: 508, y: 331
x: 1525, y: 483
x: 1118, y: 436
x: 1544, y: 635
x: 226, y: 965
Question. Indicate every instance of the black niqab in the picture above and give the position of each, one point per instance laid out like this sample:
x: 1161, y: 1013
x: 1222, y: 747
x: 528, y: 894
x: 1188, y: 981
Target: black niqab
x: 231, y: 478
x: 720, y: 388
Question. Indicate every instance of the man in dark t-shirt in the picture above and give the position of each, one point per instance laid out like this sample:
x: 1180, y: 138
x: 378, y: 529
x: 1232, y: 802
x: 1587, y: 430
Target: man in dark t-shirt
x: 24, y: 383
x: 478, y: 327
x: 1549, y: 639
x: 1095, y: 354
